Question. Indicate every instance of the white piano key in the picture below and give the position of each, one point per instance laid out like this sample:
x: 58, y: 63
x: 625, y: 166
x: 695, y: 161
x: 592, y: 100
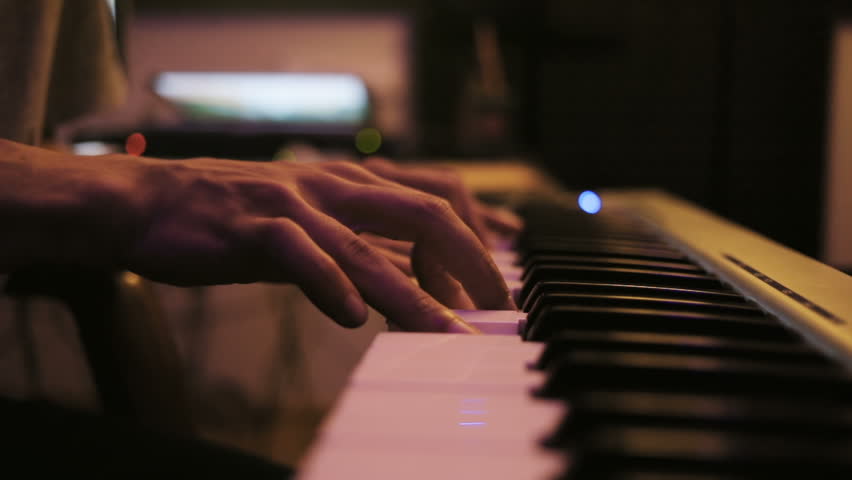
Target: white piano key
x: 505, y: 257
x: 495, y: 322
x: 452, y: 362
x: 439, y: 406
x: 492, y: 419
x: 367, y: 461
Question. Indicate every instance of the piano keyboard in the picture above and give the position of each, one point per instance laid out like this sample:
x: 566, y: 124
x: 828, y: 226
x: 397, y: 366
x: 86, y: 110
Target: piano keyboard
x: 656, y: 341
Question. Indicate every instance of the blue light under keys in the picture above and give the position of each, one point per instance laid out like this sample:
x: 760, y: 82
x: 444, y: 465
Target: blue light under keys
x: 473, y: 406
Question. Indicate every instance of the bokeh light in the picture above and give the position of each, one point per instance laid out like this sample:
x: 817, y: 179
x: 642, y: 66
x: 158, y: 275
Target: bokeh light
x: 135, y: 144
x: 368, y: 140
x: 590, y: 202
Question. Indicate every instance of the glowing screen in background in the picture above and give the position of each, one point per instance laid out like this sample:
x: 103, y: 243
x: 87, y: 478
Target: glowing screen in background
x: 307, y: 98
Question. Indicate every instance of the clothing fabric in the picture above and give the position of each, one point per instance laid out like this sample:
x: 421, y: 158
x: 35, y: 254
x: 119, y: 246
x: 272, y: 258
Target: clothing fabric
x: 58, y: 60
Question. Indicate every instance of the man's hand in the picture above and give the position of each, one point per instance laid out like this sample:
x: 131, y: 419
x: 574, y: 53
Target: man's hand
x: 487, y: 222
x: 207, y: 221
x: 490, y: 224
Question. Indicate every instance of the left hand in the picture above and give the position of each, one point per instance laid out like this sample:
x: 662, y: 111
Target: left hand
x: 487, y: 222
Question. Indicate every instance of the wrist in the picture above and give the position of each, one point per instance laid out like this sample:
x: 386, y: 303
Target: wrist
x: 66, y: 210
x: 112, y: 205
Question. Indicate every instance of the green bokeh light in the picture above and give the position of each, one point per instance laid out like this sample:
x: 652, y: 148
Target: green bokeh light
x: 368, y: 140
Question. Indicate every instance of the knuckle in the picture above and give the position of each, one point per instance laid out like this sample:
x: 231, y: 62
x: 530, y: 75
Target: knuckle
x: 276, y: 233
x: 436, y: 208
x: 344, y: 167
x: 321, y: 183
x: 455, y: 188
x: 267, y: 193
x: 454, y: 182
x: 279, y: 194
x: 287, y: 226
x: 359, y: 248
x: 377, y: 162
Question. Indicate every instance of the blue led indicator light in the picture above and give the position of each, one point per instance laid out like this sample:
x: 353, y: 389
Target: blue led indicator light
x: 590, y: 202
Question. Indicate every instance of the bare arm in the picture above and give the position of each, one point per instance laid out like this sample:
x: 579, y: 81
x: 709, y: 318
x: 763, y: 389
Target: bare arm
x: 55, y: 210
x: 210, y: 221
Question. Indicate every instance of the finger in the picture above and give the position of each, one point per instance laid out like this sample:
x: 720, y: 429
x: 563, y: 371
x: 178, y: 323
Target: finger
x: 402, y: 262
x: 403, y: 248
x: 356, y: 173
x: 290, y: 255
x: 432, y: 181
x: 427, y: 220
x: 383, y: 285
x: 499, y: 220
x: 441, y: 182
x: 444, y: 183
x: 433, y: 278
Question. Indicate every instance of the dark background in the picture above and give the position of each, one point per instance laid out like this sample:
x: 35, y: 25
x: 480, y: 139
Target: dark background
x: 722, y: 102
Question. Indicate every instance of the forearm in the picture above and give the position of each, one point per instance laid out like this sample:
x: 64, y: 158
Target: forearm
x: 59, y: 209
x: 211, y: 221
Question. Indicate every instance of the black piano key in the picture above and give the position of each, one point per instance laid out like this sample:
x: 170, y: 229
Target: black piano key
x: 708, y: 412
x: 589, y: 370
x: 651, y: 302
x: 551, y: 320
x: 608, y: 451
x: 657, y: 475
x: 641, y: 276
x: 607, y: 261
x: 670, y: 374
x: 602, y: 248
x: 668, y: 305
x: 602, y: 237
x: 727, y: 296
x: 707, y: 345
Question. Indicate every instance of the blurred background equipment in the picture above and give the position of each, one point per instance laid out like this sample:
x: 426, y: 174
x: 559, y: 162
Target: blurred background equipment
x: 309, y: 100
x: 723, y: 102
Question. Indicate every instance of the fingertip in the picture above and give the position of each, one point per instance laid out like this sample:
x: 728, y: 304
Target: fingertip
x: 460, y: 326
x: 501, y: 220
x: 510, y: 303
x: 511, y: 219
x: 354, y: 311
x: 452, y: 323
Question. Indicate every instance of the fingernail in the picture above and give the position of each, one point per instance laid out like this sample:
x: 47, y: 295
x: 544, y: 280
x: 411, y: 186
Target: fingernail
x: 356, y: 309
